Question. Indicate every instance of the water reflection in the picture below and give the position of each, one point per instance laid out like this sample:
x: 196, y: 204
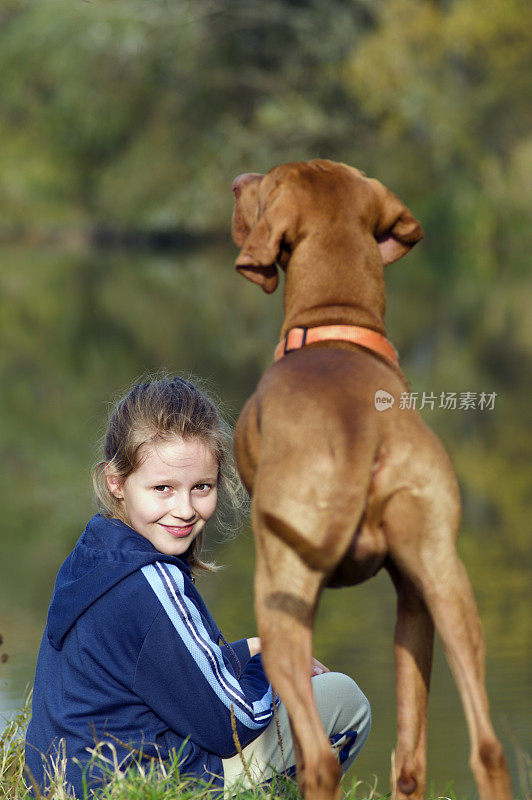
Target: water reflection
x: 77, y: 328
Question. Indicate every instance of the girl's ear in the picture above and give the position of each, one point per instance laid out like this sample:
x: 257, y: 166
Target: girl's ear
x: 114, y: 484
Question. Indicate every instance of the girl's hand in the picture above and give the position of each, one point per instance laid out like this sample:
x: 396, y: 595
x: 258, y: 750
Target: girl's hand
x: 318, y: 668
x: 254, y: 646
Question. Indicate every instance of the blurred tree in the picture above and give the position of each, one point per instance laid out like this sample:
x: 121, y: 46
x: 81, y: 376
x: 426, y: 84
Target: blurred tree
x: 138, y: 113
x: 450, y: 88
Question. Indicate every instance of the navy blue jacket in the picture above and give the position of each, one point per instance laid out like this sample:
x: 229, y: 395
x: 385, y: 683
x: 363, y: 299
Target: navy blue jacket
x: 130, y: 654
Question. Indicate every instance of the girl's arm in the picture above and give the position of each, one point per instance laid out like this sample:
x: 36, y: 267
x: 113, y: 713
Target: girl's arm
x: 182, y: 676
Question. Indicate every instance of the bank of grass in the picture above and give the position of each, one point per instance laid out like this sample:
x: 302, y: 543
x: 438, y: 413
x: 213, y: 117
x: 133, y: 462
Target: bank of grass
x: 156, y: 781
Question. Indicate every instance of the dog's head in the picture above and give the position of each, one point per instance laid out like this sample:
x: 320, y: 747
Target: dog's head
x: 275, y: 212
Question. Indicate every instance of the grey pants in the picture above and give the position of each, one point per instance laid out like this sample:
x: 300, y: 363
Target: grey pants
x: 346, y: 717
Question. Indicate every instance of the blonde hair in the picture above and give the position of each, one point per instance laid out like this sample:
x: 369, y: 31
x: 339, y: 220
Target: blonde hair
x: 155, y: 411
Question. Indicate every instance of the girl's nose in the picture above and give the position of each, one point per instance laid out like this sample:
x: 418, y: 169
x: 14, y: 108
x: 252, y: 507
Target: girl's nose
x: 183, y: 508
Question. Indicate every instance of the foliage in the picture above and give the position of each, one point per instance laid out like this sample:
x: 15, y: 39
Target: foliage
x: 137, y: 114
x: 12, y: 785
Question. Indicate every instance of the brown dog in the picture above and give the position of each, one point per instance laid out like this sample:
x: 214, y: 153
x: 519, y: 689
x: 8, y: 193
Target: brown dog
x: 340, y: 488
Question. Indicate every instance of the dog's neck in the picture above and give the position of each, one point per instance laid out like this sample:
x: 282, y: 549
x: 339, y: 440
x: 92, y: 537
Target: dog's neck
x: 350, y: 291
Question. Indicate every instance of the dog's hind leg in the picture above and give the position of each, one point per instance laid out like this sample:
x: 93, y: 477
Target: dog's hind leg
x: 455, y: 615
x: 414, y: 637
x: 422, y: 546
x: 286, y: 597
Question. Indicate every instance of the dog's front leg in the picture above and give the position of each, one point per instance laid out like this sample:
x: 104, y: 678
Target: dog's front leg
x: 414, y: 638
x: 286, y: 595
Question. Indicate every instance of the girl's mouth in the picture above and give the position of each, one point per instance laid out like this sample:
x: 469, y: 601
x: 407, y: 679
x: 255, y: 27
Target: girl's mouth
x: 179, y: 532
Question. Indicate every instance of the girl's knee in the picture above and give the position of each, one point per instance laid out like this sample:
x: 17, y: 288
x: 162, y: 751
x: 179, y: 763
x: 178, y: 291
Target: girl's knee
x: 364, y: 707
x: 343, y: 702
x: 357, y: 705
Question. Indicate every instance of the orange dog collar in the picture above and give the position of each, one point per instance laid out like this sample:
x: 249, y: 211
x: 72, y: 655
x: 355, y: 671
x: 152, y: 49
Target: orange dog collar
x: 296, y: 338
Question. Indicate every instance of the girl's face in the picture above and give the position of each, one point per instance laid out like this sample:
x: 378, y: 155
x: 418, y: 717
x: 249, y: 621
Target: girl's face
x: 171, y: 495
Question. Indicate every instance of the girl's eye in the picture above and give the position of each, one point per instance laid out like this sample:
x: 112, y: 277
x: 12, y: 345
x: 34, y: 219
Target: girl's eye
x: 202, y: 486
x: 161, y: 488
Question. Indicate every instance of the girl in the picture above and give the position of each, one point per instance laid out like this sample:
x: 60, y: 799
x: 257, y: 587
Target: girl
x: 130, y: 654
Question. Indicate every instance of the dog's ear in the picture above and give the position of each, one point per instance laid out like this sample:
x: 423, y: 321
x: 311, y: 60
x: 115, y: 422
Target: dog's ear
x: 397, y: 230
x: 246, y: 190
x: 261, y: 249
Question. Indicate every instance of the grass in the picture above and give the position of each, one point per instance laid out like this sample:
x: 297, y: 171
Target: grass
x: 161, y: 780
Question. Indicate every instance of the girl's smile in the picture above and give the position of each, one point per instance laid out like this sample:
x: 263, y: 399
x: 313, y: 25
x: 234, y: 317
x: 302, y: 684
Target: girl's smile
x: 177, y: 531
x: 171, y: 495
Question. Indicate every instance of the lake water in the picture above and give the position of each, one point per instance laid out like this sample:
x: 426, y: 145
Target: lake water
x: 77, y: 328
